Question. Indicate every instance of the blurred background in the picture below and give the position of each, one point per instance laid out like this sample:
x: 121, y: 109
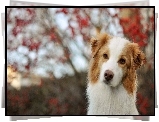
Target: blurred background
x: 48, y: 52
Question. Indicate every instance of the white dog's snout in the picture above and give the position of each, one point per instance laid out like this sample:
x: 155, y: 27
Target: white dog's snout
x: 111, y: 73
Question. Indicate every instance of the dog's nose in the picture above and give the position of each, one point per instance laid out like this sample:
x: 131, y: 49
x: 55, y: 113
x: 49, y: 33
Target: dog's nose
x: 108, y: 75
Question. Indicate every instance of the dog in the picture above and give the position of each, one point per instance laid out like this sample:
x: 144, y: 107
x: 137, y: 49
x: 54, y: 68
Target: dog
x: 112, y: 78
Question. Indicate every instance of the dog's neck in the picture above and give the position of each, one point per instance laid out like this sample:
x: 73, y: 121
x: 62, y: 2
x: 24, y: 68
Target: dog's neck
x: 106, y: 100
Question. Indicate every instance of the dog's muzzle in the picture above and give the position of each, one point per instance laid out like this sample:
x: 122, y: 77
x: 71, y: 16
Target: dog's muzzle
x: 108, y: 75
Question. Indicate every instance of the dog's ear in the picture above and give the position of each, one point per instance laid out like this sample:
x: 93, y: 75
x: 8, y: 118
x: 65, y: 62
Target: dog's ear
x: 94, y: 46
x: 98, y: 41
x: 138, y: 56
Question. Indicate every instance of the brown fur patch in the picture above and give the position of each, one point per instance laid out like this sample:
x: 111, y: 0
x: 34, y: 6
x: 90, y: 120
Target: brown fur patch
x: 98, y: 42
x: 97, y: 60
x: 136, y: 58
x: 129, y: 82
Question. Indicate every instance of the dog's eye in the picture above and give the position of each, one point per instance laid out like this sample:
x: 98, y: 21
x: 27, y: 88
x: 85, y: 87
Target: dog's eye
x: 122, y: 61
x: 105, y: 56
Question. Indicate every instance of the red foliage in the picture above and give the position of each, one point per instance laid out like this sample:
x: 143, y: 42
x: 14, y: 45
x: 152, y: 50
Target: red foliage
x: 27, y: 66
x: 18, y: 99
x: 76, y: 11
x: 34, y: 46
x: 63, y: 10
x: 53, y: 101
x: 133, y: 28
x: 16, y: 30
x: 31, y: 44
x: 143, y: 103
x: 52, y: 36
x: 21, y: 22
x: 83, y: 22
x: 124, y: 20
x: 30, y: 11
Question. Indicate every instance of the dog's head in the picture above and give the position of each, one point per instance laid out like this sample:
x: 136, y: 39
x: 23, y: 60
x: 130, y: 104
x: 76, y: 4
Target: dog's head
x: 114, y: 59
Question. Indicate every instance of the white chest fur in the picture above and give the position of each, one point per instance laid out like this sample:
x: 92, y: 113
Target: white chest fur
x: 105, y: 100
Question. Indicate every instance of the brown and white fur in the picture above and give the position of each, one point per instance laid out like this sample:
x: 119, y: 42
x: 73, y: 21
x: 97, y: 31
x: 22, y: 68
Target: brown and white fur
x: 112, y: 78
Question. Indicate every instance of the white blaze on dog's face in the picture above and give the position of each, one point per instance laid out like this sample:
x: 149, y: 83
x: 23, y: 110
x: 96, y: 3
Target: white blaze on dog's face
x: 114, y: 61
